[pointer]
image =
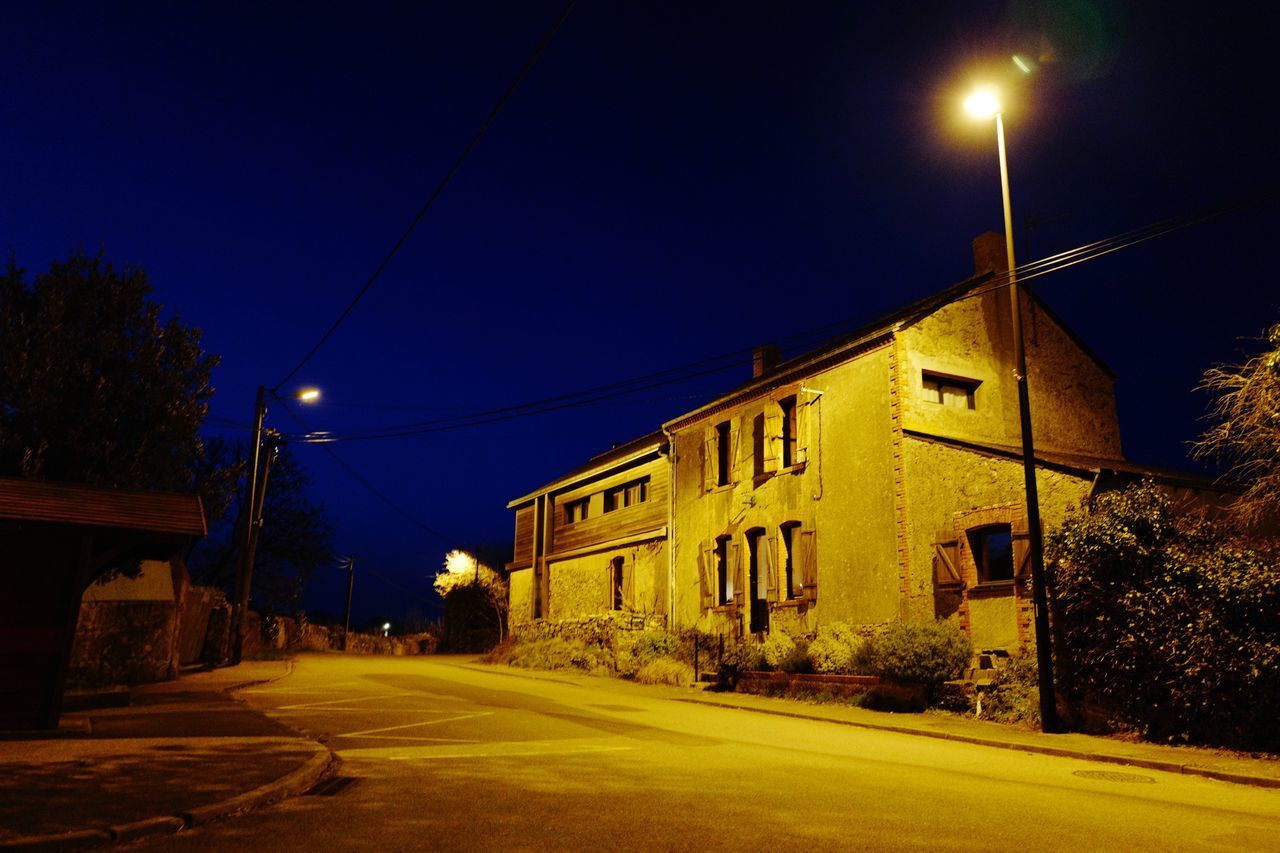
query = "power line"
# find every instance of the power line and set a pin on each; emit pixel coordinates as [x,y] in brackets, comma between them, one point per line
[439,190]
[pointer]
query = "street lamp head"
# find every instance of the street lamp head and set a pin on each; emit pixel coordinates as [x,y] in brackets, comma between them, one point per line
[308,395]
[982,104]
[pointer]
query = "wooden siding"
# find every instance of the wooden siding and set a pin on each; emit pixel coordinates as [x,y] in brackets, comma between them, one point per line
[523,554]
[600,526]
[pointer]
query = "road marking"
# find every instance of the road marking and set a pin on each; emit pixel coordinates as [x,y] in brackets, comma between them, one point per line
[347,699]
[416,725]
[581,751]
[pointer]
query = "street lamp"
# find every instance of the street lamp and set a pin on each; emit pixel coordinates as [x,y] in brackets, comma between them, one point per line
[984,104]
[256,494]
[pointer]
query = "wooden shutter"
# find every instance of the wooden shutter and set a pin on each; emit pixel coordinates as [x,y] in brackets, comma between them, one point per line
[1021,554]
[767,565]
[772,436]
[628,584]
[946,561]
[707,575]
[708,459]
[809,563]
[806,411]
[733,452]
[735,573]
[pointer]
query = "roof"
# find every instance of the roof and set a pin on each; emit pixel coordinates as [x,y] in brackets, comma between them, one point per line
[840,349]
[64,503]
[1079,462]
[632,450]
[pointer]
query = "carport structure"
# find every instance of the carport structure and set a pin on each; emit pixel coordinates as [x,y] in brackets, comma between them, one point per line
[55,540]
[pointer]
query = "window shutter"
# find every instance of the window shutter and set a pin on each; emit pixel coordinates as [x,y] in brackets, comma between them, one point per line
[733,451]
[1021,554]
[708,459]
[772,437]
[735,573]
[768,568]
[628,584]
[806,411]
[809,563]
[707,576]
[946,561]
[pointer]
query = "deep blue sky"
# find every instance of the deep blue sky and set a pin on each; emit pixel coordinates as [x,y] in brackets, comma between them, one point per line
[673,181]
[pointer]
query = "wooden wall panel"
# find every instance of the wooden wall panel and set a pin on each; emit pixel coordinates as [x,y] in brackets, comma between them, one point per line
[600,526]
[523,552]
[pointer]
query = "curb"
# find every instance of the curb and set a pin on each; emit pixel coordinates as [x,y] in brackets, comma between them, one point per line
[1056,751]
[291,784]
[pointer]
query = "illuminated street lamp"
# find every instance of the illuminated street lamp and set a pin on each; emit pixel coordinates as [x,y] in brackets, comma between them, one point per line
[256,492]
[984,104]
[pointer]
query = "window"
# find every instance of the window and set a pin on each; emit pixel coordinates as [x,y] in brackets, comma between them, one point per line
[615,583]
[992,548]
[758,439]
[788,407]
[950,391]
[724,586]
[628,494]
[790,539]
[576,510]
[722,454]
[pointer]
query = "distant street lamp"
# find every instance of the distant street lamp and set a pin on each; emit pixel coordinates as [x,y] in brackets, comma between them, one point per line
[984,104]
[256,494]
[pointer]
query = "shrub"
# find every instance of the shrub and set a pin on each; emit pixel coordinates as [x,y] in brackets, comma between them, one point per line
[1014,695]
[835,649]
[665,671]
[633,650]
[1171,623]
[555,653]
[783,653]
[924,653]
[744,655]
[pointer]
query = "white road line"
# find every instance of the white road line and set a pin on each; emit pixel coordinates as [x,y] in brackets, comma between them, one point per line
[408,737]
[347,699]
[416,725]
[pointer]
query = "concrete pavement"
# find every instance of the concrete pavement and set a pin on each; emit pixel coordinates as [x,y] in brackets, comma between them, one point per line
[156,759]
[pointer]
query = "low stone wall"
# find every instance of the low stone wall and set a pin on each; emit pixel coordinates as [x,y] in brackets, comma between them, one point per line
[123,642]
[322,638]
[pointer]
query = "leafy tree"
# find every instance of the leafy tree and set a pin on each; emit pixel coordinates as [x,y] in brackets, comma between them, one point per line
[296,537]
[1168,621]
[94,387]
[1246,433]
[465,580]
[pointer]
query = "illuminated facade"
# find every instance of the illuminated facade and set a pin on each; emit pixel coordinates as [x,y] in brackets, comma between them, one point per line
[875,479]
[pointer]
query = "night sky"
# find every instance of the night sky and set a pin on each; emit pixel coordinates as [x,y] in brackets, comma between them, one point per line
[672,182]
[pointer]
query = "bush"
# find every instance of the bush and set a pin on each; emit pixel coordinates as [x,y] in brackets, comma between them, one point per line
[923,653]
[633,650]
[1014,695]
[744,656]
[835,649]
[1170,623]
[665,671]
[784,654]
[552,653]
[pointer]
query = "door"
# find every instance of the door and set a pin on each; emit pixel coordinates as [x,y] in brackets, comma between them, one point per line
[757,575]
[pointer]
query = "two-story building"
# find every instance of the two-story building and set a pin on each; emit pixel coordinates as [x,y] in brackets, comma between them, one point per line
[874,479]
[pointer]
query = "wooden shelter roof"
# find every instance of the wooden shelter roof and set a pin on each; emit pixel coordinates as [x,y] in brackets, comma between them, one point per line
[65,503]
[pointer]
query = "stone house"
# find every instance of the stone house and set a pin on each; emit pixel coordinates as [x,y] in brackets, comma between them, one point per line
[877,478]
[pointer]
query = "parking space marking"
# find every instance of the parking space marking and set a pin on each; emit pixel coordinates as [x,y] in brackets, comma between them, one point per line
[346,699]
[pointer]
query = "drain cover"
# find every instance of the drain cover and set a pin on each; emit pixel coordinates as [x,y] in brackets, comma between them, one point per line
[330,787]
[1113,776]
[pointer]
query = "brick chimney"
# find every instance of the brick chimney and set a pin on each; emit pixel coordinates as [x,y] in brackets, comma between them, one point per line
[989,253]
[764,359]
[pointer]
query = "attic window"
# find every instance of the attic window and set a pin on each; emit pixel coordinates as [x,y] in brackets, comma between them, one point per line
[576,510]
[628,494]
[951,391]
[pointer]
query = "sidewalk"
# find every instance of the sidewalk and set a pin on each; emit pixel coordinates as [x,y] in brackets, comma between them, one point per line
[1225,765]
[155,759]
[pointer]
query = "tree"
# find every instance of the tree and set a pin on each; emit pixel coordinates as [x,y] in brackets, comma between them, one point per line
[1246,434]
[464,577]
[94,387]
[296,537]
[1168,620]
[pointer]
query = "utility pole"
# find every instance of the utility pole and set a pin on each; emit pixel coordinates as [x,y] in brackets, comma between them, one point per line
[351,582]
[244,568]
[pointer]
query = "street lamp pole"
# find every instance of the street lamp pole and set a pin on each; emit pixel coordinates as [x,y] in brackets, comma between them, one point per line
[244,568]
[1035,537]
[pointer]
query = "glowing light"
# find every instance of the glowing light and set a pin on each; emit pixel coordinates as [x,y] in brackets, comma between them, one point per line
[459,562]
[982,104]
[1026,66]
[308,395]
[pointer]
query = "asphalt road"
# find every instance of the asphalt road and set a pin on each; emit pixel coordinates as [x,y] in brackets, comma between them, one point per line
[441,755]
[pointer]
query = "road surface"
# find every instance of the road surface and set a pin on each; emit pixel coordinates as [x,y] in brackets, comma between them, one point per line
[439,754]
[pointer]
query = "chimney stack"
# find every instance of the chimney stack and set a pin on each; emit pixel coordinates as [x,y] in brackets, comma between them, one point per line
[990,254]
[764,359]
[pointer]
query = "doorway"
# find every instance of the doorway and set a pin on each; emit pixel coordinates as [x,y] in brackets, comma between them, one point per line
[756,585]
